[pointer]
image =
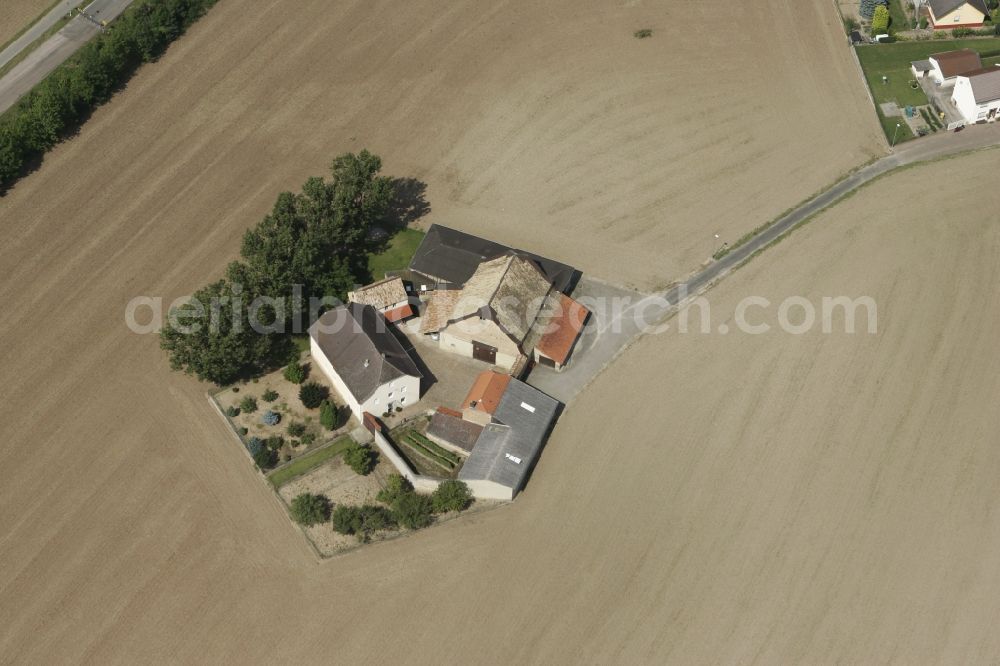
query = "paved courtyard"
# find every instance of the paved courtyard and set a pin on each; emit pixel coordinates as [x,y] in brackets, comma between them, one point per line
[612,325]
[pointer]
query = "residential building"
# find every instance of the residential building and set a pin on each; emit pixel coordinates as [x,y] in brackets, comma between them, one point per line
[355,346]
[949,14]
[977,95]
[947,66]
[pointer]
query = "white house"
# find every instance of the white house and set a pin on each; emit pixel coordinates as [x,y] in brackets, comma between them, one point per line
[355,347]
[977,95]
[948,14]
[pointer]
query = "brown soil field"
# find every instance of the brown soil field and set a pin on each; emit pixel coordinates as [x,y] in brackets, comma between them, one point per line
[19,13]
[789,498]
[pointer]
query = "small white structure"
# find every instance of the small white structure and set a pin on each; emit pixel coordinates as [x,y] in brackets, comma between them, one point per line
[354,346]
[977,95]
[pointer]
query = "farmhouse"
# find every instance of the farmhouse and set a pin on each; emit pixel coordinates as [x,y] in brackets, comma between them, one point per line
[977,95]
[355,347]
[947,14]
[388,296]
[506,313]
[944,68]
[509,446]
[447,259]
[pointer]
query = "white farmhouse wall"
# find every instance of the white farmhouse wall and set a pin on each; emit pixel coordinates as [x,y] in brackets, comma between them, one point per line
[323,363]
[403,392]
[965,101]
[490,490]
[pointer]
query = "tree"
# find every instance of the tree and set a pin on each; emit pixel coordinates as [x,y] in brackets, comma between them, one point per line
[310,509]
[451,495]
[265,458]
[328,415]
[867,7]
[210,337]
[413,511]
[362,459]
[295,372]
[296,429]
[880,20]
[395,486]
[362,520]
[317,238]
[312,394]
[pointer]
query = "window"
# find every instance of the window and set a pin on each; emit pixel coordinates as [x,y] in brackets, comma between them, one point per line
[528,407]
[958,17]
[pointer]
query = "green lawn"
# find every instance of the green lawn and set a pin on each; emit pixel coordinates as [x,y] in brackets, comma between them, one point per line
[991,62]
[308,462]
[893,61]
[397,256]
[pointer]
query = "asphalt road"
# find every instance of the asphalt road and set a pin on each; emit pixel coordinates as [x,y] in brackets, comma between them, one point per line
[617,330]
[56,49]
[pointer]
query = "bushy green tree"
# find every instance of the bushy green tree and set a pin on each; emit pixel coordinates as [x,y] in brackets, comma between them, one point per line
[212,339]
[310,509]
[362,520]
[295,372]
[265,458]
[361,458]
[451,495]
[395,485]
[880,20]
[413,511]
[312,394]
[328,416]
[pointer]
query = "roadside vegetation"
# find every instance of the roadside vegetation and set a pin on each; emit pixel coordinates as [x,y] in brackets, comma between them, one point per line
[67,97]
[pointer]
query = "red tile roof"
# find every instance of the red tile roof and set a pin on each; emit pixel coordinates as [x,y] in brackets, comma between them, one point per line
[486,391]
[563,329]
[398,314]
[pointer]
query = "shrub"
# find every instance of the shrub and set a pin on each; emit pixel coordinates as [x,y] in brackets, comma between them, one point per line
[362,520]
[249,404]
[309,509]
[275,442]
[851,24]
[395,485]
[962,32]
[923,22]
[312,394]
[265,458]
[308,438]
[270,395]
[362,459]
[232,411]
[295,372]
[642,34]
[254,445]
[243,432]
[328,415]
[296,429]
[451,495]
[413,511]
[270,418]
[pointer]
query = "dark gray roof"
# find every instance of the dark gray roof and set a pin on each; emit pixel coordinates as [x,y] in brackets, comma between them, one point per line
[526,416]
[363,348]
[452,256]
[985,84]
[945,7]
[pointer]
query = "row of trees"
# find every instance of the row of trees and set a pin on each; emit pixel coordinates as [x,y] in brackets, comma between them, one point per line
[313,245]
[66,98]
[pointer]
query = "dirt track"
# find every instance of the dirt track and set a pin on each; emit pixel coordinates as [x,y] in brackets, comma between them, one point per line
[815,498]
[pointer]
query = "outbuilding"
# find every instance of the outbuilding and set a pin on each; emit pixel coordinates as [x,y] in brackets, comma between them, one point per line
[977,95]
